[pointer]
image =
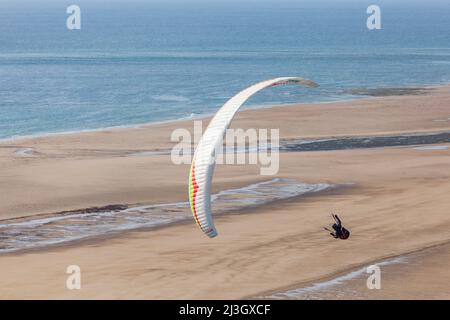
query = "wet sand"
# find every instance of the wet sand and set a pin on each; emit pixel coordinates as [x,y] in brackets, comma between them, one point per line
[421,274]
[42,231]
[266,248]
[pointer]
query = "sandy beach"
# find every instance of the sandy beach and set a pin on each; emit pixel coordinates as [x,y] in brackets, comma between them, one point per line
[393,199]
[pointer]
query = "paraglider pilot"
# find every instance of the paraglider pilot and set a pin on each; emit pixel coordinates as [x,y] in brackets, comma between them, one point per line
[339,232]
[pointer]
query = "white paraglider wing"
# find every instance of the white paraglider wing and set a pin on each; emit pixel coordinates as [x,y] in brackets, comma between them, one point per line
[203,163]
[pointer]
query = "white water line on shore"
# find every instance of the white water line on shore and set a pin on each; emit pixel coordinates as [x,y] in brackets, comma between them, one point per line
[329,284]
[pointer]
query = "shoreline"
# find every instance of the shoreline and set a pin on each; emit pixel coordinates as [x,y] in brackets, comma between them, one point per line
[346,274]
[357,97]
[121,143]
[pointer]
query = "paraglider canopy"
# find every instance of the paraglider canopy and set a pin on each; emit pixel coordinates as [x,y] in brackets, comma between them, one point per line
[203,163]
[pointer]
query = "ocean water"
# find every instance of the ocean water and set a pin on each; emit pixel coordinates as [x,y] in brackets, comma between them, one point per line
[137,62]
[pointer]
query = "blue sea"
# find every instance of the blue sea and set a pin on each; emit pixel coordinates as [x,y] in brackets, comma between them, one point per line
[137,62]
